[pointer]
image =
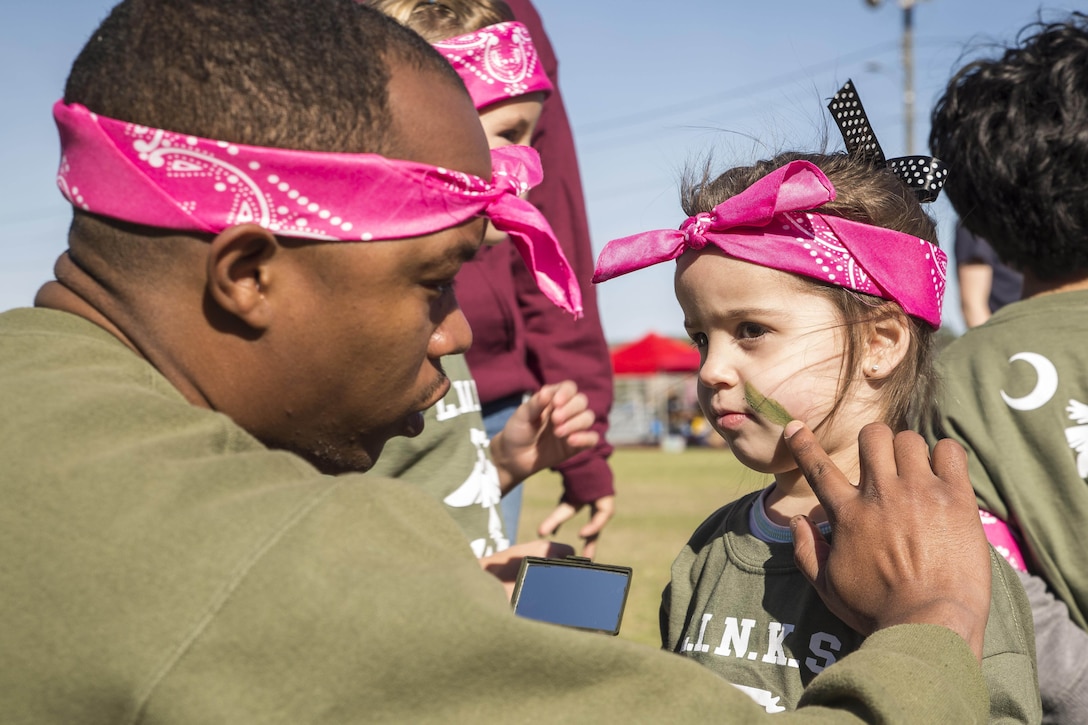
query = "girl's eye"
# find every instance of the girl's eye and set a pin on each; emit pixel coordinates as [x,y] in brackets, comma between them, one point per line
[750,330]
[698,340]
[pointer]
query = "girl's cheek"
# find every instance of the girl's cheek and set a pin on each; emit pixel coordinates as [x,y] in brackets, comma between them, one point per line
[806,386]
[804,399]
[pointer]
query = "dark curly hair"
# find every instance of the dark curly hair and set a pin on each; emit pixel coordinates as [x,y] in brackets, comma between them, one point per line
[302,74]
[1014,132]
[871,195]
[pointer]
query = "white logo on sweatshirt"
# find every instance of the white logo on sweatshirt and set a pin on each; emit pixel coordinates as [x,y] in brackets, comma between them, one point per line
[1077,436]
[481,488]
[763,698]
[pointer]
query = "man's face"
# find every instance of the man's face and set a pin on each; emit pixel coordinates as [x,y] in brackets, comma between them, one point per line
[371,321]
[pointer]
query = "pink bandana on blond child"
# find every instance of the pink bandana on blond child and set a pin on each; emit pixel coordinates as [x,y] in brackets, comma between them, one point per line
[177,181]
[772,224]
[496,63]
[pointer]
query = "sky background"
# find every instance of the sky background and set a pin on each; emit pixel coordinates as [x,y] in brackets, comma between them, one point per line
[651,88]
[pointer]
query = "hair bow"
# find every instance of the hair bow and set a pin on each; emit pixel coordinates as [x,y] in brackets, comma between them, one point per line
[925,175]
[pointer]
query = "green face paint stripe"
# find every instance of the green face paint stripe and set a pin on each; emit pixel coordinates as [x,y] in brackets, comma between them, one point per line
[766,407]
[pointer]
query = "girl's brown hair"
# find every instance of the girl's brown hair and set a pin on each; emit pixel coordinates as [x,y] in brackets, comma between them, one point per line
[872,195]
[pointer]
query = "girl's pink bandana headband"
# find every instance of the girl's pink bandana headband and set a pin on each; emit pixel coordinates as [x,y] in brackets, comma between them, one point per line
[176,181]
[496,63]
[773,224]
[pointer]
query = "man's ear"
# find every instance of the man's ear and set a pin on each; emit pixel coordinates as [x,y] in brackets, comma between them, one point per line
[889,341]
[239,273]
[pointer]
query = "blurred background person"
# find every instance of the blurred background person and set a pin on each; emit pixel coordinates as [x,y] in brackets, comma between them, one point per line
[986,284]
[521,341]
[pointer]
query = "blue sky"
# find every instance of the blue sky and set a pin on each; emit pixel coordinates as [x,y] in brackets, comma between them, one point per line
[650,88]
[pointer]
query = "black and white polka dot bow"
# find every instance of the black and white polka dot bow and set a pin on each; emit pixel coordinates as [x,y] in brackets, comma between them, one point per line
[925,175]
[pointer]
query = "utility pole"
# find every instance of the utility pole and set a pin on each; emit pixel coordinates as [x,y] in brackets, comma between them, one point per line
[908,72]
[908,68]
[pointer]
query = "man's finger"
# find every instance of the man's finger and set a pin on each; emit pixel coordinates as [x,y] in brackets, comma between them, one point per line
[827,481]
[876,455]
[912,456]
[807,552]
[949,461]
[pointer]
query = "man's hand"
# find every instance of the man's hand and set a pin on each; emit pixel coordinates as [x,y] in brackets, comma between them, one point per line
[907,544]
[505,564]
[600,512]
[547,429]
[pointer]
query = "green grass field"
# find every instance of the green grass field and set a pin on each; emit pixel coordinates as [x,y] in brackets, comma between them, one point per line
[660,499]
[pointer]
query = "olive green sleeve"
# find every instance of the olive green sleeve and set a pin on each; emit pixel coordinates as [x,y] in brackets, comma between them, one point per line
[351,616]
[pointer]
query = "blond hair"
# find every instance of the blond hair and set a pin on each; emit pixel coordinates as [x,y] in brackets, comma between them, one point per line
[443,19]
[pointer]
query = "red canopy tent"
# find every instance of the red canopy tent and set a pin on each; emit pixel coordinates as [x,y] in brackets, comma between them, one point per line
[655,354]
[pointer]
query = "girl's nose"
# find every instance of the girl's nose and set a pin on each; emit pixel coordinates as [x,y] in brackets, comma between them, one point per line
[718,369]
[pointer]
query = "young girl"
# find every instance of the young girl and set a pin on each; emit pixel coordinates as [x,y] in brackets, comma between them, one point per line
[811,285]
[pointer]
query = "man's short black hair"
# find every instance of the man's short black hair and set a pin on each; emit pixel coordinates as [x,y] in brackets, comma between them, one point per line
[301,74]
[1014,132]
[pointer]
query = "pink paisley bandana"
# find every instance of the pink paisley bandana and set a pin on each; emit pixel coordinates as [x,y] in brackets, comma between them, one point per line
[496,63]
[176,181]
[770,224]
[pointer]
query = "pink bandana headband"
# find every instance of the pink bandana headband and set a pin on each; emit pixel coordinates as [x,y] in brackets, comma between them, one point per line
[770,224]
[496,63]
[176,181]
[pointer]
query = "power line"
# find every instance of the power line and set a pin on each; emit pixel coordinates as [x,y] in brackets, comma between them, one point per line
[615,123]
[627,120]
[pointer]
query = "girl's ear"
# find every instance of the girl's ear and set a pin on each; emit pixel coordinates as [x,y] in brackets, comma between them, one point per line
[889,340]
[239,272]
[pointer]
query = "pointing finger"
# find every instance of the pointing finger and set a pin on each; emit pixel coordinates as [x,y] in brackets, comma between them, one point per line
[827,481]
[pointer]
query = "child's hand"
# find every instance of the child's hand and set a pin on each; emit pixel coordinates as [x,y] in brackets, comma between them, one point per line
[907,544]
[600,513]
[547,429]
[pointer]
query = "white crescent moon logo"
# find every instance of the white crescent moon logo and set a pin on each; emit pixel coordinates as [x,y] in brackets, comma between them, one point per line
[1045,388]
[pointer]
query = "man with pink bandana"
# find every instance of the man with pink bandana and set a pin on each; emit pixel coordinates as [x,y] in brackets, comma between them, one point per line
[183,539]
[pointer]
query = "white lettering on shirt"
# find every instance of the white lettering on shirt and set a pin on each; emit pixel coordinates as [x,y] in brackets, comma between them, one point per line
[736,641]
[699,646]
[816,645]
[734,638]
[467,400]
[776,633]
